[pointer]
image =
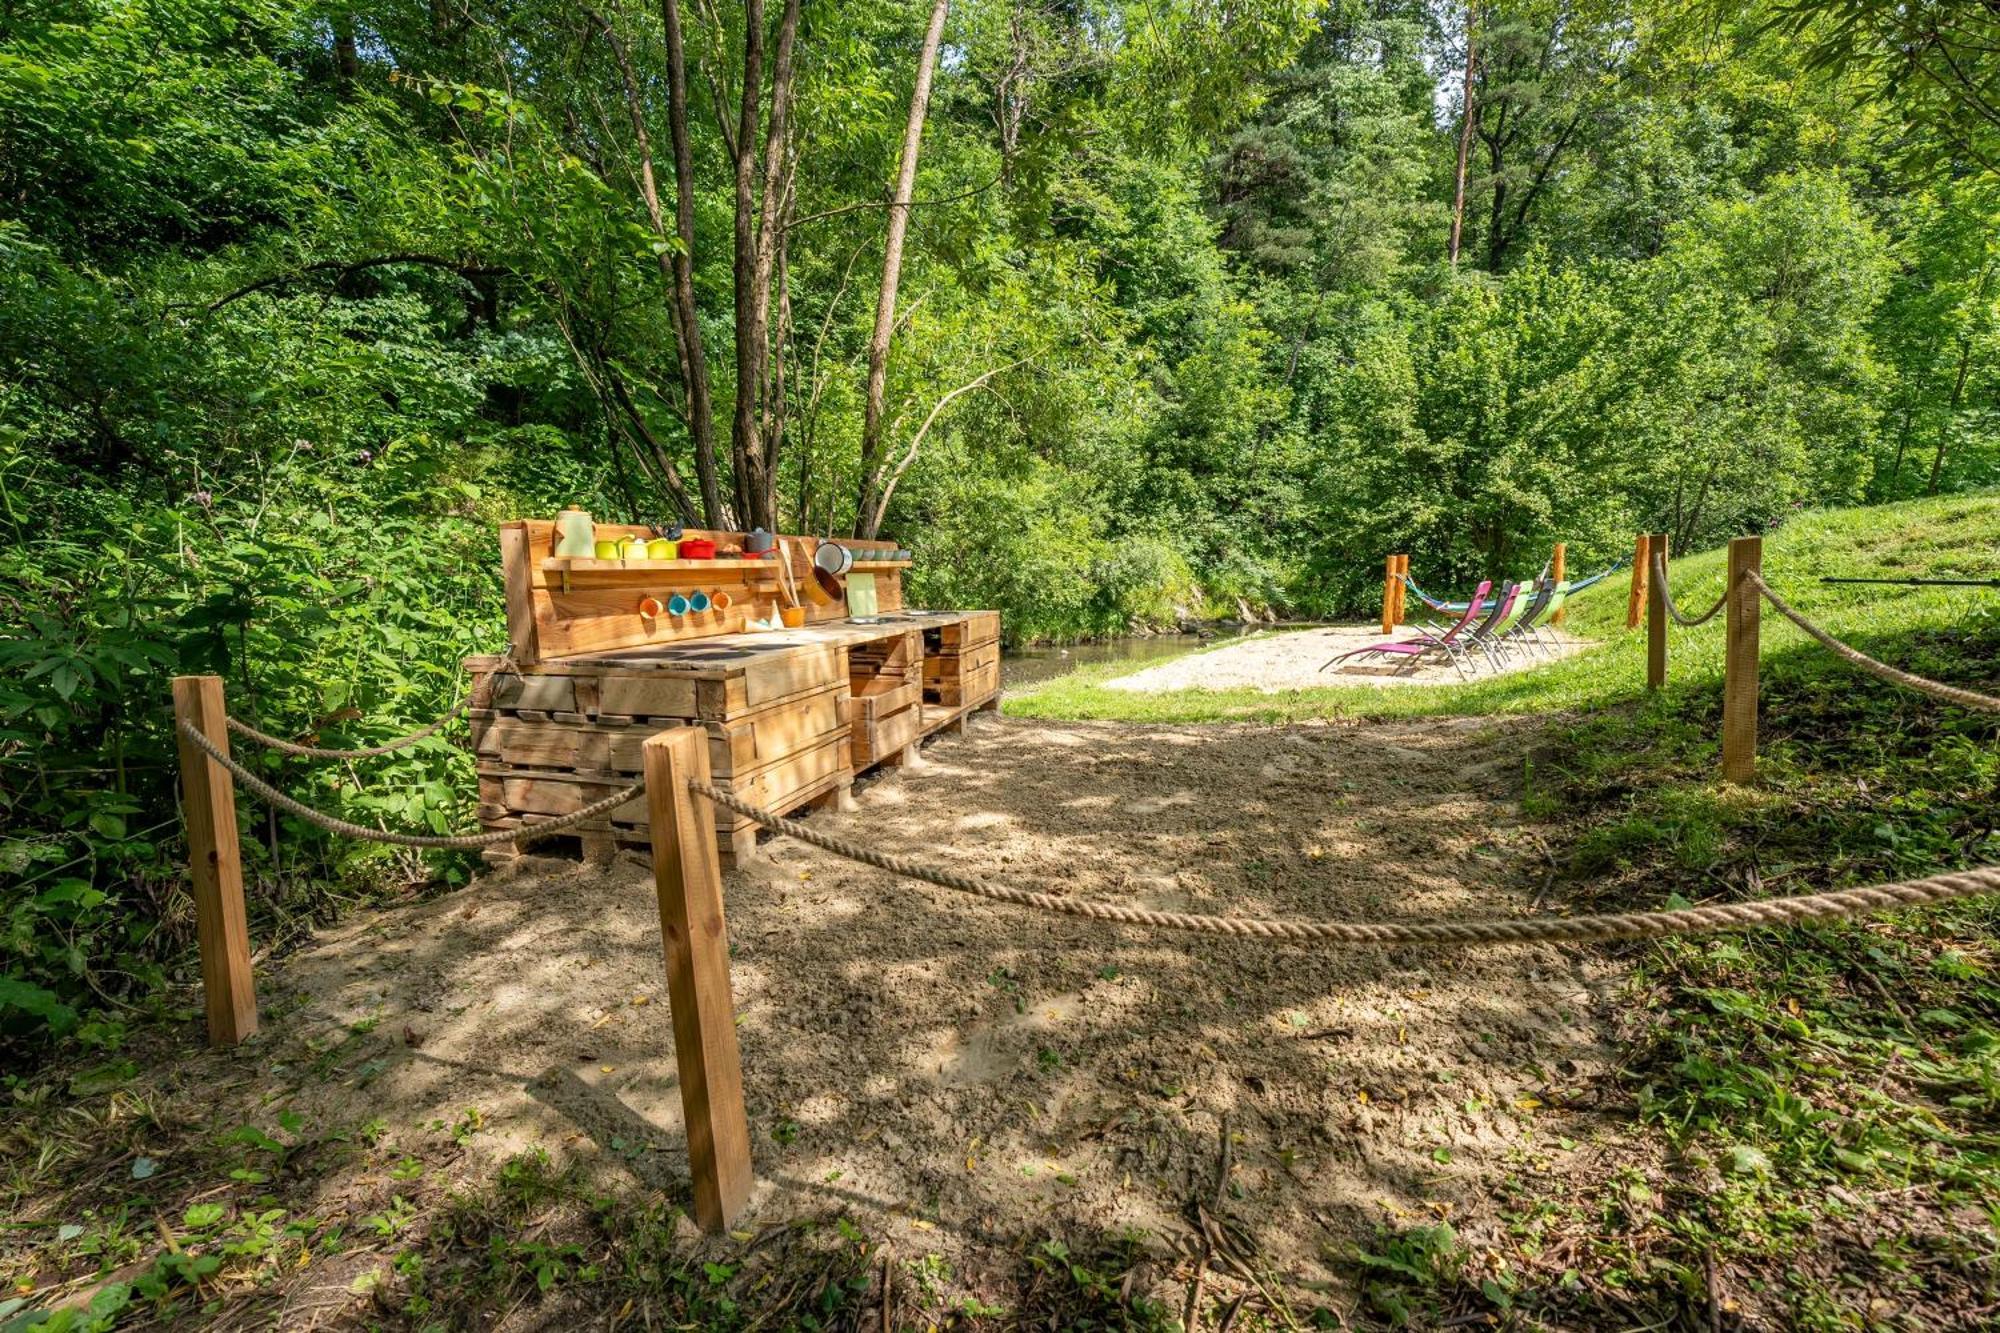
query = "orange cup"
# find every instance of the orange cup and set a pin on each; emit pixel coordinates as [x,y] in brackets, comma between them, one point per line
[793,616]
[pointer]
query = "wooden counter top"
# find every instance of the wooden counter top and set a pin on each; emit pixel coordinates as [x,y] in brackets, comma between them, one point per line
[726,655]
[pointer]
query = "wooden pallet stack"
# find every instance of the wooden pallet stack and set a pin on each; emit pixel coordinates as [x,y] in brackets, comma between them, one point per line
[558,736]
[962,661]
[885,680]
[602,661]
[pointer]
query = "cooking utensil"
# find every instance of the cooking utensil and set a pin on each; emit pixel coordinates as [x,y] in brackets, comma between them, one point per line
[757,541]
[786,577]
[829,585]
[697,548]
[833,558]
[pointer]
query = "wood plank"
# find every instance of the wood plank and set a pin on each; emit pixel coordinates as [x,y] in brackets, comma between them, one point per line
[553,693]
[876,739]
[215,864]
[1656,616]
[649,695]
[516,568]
[1739,681]
[687,876]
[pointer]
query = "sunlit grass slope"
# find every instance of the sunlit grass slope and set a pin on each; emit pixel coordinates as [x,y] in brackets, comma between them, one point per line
[1956,536]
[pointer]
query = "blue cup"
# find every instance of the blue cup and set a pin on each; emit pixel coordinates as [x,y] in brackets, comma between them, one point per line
[677,605]
[699,602]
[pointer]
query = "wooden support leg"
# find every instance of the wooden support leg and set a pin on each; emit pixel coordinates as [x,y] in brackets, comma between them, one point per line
[1635,602]
[1739,683]
[1389,594]
[689,882]
[839,799]
[743,845]
[1401,590]
[1656,616]
[960,724]
[215,863]
[910,756]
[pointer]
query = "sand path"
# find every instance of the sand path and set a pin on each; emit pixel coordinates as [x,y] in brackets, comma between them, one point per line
[968,1078]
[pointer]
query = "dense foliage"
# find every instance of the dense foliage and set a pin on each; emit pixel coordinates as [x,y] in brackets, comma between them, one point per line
[297,299]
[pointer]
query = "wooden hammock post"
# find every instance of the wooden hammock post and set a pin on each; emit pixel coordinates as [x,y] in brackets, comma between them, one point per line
[215,864]
[1656,616]
[1388,594]
[1739,681]
[1559,571]
[687,875]
[1402,591]
[1635,602]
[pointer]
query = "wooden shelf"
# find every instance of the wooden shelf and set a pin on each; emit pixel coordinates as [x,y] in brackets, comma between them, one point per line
[590,565]
[868,565]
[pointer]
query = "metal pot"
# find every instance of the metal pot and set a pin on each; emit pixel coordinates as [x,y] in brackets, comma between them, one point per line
[833,558]
[757,541]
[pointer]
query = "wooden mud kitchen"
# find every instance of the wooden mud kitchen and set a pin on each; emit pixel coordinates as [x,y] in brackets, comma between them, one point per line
[796,655]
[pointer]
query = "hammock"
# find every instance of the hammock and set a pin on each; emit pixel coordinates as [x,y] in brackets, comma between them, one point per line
[1455,607]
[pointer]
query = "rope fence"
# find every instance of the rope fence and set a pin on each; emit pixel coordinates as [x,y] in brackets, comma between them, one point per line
[1667,597]
[678,793]
[465,842]
[1894,675]
[1572,930]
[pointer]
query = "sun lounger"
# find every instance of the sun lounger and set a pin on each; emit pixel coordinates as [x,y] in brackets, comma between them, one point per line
[1424,643]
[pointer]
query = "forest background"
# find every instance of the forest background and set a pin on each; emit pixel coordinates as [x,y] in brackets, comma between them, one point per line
[1120,315]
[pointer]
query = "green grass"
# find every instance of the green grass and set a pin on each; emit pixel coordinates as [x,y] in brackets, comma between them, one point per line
[1957,536]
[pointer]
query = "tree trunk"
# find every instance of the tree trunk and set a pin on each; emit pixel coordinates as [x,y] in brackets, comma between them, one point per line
[1464,141]
[687,318]
[1951,412]
[675,269]
[743,427]
[892,272]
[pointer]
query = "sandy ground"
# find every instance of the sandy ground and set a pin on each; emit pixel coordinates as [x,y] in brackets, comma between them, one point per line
[1294,660]
[970,1078]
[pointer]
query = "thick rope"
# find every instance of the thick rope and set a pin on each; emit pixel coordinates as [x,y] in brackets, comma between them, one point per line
[1895,675]
[462,843]
[1576,930]
[1667,597]
[248,732]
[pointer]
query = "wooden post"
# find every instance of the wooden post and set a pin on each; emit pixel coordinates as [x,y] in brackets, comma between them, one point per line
[1559,573]
[688,877]
[1635,602]
[215,864]
[1656,616]
[1739,681]
[1389,594]
[1402,590]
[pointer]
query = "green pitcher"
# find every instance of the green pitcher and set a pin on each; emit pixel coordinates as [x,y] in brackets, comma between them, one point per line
[575,533]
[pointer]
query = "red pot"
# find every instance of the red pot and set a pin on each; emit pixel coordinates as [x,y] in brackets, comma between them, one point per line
[697,548]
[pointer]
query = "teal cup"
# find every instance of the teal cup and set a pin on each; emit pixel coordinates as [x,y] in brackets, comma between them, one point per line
[677,605]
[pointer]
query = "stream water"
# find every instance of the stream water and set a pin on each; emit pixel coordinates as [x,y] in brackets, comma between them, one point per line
[1030,666]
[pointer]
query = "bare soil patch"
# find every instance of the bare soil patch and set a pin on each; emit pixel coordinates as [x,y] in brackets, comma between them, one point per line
[1298,659]
[970,1078]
